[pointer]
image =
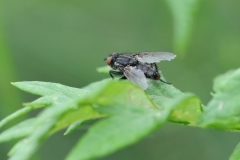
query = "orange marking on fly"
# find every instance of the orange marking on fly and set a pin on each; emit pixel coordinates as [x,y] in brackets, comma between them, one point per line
[109,60]
[157,78]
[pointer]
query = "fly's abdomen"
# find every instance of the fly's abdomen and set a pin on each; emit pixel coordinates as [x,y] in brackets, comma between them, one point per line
[146,69]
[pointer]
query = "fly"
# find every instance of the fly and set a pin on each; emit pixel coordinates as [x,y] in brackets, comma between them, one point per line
[137,67]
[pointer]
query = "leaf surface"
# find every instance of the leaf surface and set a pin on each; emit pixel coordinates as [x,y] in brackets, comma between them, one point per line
[117,132]
[236,153]
[223,110]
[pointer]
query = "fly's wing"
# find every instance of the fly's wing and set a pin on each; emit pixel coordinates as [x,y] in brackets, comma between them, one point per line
[152,57]
[136,76]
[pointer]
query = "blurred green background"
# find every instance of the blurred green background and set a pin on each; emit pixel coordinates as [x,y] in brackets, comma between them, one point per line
[65,41]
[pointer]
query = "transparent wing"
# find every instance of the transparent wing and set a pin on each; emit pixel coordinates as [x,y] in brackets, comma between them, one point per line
[136,76]
[152,57]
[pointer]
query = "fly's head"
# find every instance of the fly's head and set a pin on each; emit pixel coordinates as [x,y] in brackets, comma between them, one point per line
[156,75]
[111,60]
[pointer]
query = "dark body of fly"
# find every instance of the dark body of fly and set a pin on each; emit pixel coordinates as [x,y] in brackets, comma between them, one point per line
[122,60]
[149,70]
[137,67]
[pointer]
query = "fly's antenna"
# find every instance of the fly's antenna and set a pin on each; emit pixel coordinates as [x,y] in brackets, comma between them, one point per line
[107,57]
[165,82]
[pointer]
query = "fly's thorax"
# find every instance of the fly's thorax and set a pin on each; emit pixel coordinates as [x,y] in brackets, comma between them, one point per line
[126,60]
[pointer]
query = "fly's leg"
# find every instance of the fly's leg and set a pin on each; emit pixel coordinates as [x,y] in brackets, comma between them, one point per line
[111,73]
[123,78]
[155,65]
[165,82]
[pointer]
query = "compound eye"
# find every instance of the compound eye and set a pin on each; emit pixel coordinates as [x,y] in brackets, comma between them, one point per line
[109,60]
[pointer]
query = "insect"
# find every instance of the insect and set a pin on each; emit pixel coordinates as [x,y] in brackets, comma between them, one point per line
[137,67]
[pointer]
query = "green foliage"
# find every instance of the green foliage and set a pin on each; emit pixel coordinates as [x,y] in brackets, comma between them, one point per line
[224,109]
[183,19]
[124,111]
[236,153]
[7,71]
[118,131]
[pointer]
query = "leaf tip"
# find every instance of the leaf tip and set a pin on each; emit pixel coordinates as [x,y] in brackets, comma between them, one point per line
[15,84]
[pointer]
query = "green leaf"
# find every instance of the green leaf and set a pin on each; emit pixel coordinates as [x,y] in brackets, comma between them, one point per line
[104,69]
[15,115]
[118,92]
[48,122]
[183,19]
[63,100]
[117,132]
[104,100]
[74,108]
[68,116]
[47,88]
[25,148]
[129,108]
[74,126]
[20,130]
[54,94]
[186,109]
[236,153]
[160,92]
[223,110]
